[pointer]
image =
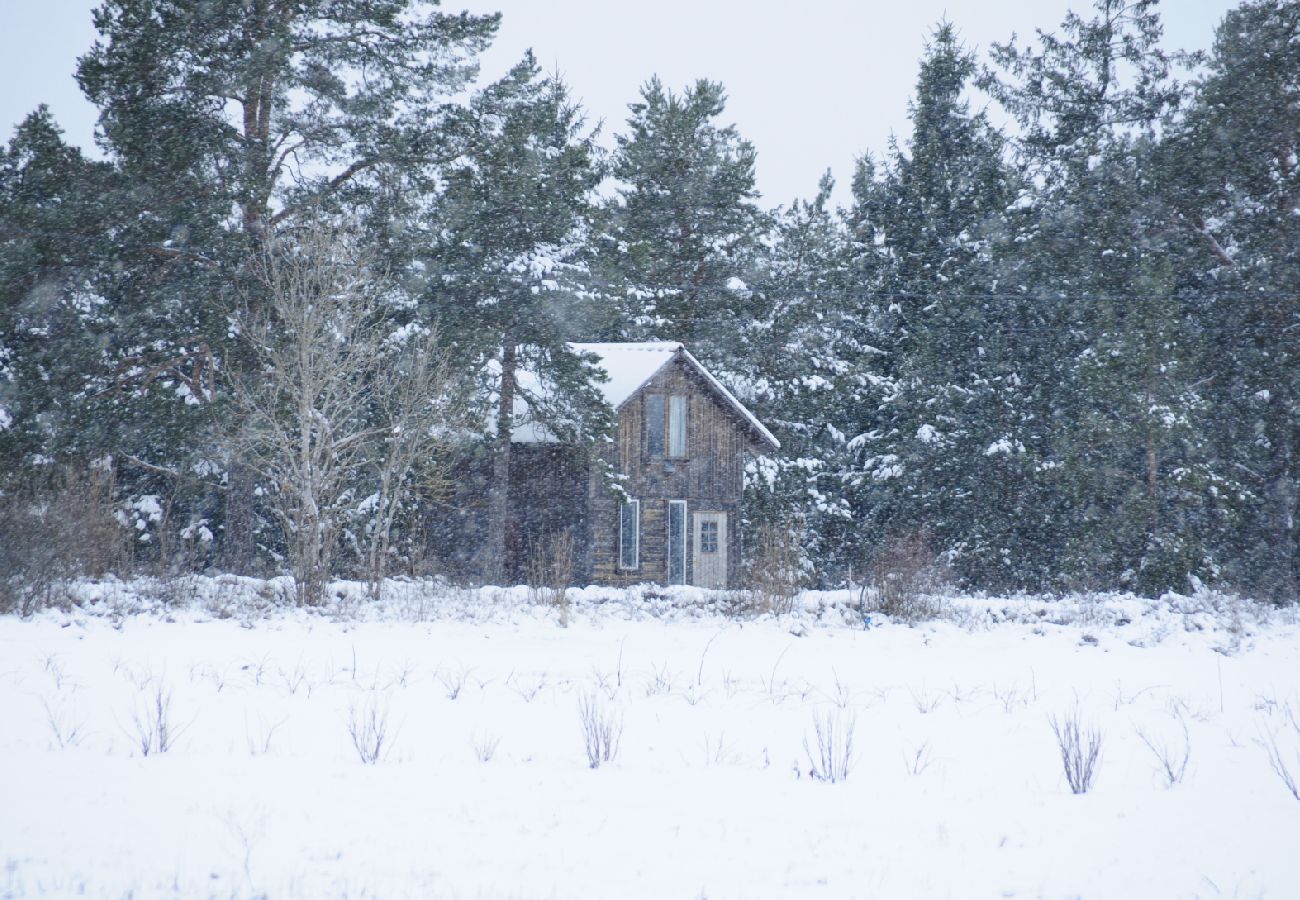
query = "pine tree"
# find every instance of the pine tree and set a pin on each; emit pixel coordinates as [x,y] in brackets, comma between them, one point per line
[223,121]
[305,128]
[507,267]
[685,225]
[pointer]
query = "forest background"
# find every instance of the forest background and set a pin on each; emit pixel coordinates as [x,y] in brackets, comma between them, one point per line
[266,328]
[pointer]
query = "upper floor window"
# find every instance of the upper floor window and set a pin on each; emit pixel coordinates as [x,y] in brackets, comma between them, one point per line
[676,426]
[665,426]
[654,425]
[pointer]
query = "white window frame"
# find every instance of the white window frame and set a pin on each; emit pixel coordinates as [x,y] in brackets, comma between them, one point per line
[636,536]
[675,445]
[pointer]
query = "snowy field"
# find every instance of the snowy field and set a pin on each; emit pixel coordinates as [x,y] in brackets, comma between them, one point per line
[482,786]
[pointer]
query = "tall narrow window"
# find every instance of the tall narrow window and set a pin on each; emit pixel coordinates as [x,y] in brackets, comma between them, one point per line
[629,535]
[654,425]
[676,541]
[676,426]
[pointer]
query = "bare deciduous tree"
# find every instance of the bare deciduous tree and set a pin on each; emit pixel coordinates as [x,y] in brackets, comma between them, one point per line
[416,408]
[338,402]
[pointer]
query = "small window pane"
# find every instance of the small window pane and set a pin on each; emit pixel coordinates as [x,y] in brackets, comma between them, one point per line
[629,535]
[654,424]
[676,542]
[708,537]
[677,426]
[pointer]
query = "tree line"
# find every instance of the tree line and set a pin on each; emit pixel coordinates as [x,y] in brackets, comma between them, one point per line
[1050,342]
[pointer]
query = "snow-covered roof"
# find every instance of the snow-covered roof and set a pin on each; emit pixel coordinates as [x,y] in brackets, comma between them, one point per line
[629,366]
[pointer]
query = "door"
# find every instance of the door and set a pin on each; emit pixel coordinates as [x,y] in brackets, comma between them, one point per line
[710,545]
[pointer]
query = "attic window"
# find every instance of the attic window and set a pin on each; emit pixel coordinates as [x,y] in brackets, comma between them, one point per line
[654,425]
[676,426]
[665,426]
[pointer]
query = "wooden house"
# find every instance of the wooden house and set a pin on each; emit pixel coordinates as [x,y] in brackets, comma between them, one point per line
[678,456]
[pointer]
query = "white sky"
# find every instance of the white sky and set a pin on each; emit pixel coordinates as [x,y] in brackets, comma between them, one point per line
[813,84]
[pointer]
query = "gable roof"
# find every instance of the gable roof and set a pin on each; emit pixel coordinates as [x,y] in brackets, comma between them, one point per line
[629,367]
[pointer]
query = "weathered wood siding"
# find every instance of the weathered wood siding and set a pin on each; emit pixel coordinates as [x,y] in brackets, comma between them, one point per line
[709,478]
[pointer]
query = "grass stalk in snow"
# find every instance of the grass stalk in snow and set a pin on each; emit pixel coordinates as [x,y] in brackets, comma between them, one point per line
[453,682]
[485,747]
[259,738]
[369,727]
[919,760]
[833,759]
[1171,757]
[68,730]
[602,728]
[1279,759]
[1080,749]
[153,725]
[660,681]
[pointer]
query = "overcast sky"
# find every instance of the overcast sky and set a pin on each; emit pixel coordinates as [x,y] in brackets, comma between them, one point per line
[813,83]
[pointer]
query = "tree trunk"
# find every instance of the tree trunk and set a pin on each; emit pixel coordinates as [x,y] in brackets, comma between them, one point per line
[496,567]
[237,542]
[1282,578]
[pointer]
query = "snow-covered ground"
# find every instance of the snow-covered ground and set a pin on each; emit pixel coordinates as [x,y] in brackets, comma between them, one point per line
[955,788]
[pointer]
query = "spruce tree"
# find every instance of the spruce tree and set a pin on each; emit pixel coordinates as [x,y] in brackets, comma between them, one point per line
[1234,186]
[1111,328]
[805,371]
[944,444]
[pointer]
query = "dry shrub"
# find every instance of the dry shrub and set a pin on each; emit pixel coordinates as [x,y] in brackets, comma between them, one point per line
[551,570]
[60,530]
[904,579]
[776,571]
